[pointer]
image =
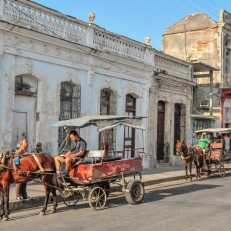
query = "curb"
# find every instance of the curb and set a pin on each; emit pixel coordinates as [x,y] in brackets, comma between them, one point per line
[39,201]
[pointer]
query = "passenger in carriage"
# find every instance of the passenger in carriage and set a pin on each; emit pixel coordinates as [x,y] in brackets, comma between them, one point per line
[211,137]
[203,141]
[77,152]
[226,143]
[218,138]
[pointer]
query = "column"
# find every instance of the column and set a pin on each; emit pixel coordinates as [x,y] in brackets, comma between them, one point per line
[152,129]
[171,133]
[167,128]
[188,120]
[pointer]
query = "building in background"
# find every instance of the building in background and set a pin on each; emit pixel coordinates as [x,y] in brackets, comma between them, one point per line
[207,44]
[55,67]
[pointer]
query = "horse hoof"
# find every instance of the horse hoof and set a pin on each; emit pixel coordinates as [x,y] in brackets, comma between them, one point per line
[41,213]
[5,218]
[53,211]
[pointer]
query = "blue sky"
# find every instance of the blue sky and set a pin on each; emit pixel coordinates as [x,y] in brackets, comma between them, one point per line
[138,18]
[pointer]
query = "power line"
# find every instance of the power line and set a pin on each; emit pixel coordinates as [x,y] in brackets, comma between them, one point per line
[206,9]
[190,5]
[215,4]
[207,6]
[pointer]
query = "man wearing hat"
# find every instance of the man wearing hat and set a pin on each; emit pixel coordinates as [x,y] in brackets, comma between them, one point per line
[38,148]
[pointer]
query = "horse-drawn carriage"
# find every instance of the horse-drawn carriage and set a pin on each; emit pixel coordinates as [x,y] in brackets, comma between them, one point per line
[215,155]
[91,177]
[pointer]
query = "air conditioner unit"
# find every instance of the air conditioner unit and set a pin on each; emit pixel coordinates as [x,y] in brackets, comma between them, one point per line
[204,104]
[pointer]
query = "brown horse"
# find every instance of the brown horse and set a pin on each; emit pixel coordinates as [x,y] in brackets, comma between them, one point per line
[189,155]
[31,166]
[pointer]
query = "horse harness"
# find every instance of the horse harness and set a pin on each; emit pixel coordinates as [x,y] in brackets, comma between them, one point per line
[4,155]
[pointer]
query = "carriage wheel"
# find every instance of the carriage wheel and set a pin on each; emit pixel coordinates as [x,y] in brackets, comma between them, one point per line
[222,170]
[136,192]
[97,198]
[70,198]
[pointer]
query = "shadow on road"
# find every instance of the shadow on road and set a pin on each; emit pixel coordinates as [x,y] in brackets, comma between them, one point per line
[118,199]
[160,194]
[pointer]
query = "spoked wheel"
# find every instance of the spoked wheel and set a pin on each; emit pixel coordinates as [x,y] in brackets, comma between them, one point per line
[97,198]
[70,198]
[136,192]
[222,170]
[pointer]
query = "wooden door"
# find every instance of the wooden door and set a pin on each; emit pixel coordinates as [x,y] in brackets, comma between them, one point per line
[160,130]
[129,133]
[24,120]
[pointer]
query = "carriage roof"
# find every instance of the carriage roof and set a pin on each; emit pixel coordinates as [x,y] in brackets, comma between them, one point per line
[103,122]
[211,130]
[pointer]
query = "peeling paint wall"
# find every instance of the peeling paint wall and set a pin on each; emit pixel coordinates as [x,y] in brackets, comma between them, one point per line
[198,38]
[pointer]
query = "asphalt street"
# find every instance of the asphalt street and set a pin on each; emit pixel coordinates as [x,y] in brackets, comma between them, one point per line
[198,205]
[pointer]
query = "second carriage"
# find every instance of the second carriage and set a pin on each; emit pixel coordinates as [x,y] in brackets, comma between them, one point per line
[215,155]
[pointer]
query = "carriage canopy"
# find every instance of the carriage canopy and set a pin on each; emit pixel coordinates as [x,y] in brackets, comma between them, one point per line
[212,130]
[103,122]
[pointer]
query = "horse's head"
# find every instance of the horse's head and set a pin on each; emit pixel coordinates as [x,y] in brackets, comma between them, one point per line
[181,147]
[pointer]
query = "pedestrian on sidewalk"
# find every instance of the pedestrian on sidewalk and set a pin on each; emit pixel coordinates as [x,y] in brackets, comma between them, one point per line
[38,148]
[20,188]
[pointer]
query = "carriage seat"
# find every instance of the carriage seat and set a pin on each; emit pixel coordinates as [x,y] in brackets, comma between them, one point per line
[95,156]
[217,145]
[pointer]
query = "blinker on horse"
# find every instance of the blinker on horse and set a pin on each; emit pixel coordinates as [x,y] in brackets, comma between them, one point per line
[31,166]
[190,154]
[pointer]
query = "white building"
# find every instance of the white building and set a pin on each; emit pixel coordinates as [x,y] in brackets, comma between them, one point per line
[56,67]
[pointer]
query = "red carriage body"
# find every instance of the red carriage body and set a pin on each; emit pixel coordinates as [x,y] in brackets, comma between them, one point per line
[97,172]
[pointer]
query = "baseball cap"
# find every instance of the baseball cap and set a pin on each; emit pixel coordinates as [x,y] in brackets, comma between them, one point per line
[39,144]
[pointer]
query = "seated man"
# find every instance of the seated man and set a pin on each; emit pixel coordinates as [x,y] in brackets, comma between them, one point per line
[202,142]
[77,152]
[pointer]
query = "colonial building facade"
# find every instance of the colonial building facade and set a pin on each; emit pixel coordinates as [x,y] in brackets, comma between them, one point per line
[55,67]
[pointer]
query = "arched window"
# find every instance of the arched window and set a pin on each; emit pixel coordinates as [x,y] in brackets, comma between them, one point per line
[108,106]
[70,104]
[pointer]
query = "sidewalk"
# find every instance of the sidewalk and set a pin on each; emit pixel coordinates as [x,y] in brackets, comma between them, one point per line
[149,176]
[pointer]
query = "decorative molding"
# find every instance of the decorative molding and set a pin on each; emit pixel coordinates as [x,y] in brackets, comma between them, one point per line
[29,66]
[27,16]
[69,74]
[69,54]
[31,45]
[57,51]
[15,42]
[172,67]
[45,48]
[124,48]
[89,79]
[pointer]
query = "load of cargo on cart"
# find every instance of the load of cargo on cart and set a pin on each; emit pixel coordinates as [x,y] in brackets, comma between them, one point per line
[218,151]
[90,178]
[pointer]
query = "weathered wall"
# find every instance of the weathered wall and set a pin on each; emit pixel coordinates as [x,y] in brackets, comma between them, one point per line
[198,38]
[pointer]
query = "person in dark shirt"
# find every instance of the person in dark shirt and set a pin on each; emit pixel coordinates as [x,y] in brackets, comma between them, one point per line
[38,148]
[77,152]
